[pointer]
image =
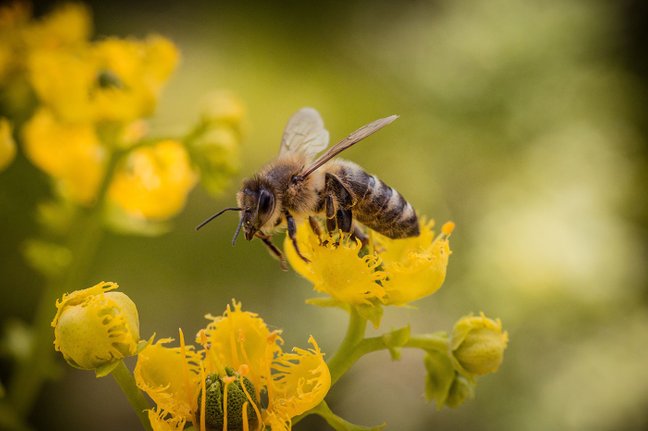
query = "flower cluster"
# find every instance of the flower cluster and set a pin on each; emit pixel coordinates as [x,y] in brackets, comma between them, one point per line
[83,117]
[240,378]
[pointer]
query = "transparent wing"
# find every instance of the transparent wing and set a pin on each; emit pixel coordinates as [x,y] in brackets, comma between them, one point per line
[352,139]
[304,133]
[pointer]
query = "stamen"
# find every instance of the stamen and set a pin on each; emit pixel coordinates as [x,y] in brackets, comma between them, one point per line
[227,381]
[447,228]
[185,366]
[254,406]
[246,427]
[203,398]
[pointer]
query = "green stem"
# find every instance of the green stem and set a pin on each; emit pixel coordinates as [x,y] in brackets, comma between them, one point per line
[28,378]
[437,341]
[336,422]
[135,397]
[339,362]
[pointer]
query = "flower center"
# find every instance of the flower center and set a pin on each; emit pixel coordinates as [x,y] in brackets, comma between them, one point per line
[235,392]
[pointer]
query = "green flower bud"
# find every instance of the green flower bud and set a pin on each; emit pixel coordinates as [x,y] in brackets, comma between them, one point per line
[477,345]
[461,390]
[237,395]
[94,327]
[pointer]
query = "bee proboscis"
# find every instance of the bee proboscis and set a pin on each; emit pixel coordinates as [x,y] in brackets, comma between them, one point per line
[297,185]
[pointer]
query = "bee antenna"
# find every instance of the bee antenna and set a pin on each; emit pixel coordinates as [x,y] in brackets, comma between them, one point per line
[238,229]
[216,215]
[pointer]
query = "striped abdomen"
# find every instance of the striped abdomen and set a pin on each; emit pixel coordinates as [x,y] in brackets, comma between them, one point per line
[377,205]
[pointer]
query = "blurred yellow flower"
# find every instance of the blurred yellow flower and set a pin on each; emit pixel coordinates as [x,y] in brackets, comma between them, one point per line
[68,24]
[95,327]
[390,272]
[477,345]
[7,144]
[70,153]
[241,363]
[110,80]
[153,181]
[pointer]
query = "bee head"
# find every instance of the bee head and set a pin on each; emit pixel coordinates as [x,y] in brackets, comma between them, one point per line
[257,202]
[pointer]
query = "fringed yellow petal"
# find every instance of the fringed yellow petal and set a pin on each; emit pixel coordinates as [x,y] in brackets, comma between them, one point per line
[160,372]
[336,268]
[240,338]
[154,181]
[300,380]
[165,421]
[416,267]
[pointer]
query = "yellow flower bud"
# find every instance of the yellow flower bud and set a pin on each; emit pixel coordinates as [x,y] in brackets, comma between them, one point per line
[223,107]
[95,327]
[478,345]
[7,144]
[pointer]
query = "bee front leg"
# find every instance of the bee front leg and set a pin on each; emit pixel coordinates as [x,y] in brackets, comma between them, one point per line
[274,250]
[292,234]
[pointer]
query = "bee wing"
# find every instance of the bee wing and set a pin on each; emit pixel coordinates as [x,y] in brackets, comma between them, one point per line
[347,142]
[304,133]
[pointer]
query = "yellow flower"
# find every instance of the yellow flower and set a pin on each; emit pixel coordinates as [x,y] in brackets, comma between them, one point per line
[478,345]
[338,270]
[7,144]
[390,272]
[153,182]
[70,153]
[248,381]
[95,327]
[67,25]
[110,80]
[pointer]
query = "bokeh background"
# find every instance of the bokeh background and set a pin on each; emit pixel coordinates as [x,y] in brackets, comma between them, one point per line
[522,121]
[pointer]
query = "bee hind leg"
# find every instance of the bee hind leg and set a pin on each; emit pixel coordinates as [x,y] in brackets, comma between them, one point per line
[274,251]
[292,234]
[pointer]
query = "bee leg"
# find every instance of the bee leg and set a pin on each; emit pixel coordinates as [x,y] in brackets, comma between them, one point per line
[360,234]
[315,227]
[344,220]
[338,196]
[292,232]
[274,250]
[331,222]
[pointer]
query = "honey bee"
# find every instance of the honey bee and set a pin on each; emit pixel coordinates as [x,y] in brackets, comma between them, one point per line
[297,185]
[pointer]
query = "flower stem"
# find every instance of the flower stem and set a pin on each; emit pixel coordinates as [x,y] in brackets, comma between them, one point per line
[134,396]
[336,422]
[26,382]
[341,361]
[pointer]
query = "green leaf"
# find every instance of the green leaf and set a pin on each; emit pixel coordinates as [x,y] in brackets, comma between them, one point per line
[106,369]
[372,313]
[440,375]
[396,339]
[47,258]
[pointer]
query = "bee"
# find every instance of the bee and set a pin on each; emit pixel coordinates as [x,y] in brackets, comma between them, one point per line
[297,184]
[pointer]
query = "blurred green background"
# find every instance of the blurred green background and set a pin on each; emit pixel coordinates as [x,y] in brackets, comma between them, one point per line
[522,121]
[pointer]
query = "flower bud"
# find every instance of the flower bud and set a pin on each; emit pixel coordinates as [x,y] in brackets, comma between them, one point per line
[94,327]
[478,345]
